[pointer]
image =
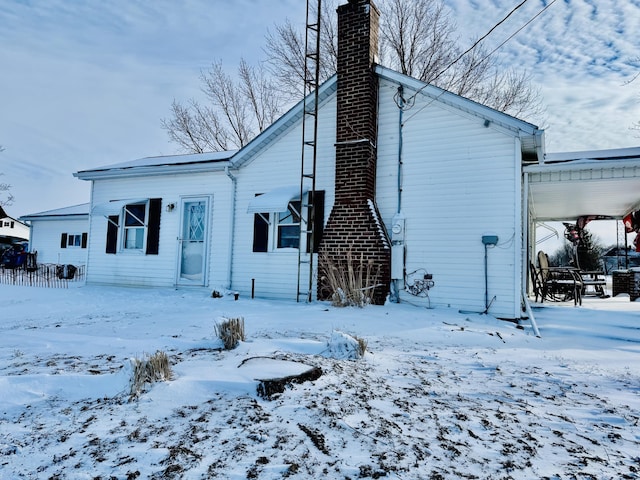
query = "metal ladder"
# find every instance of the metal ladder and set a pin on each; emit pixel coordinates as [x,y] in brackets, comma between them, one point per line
[309,144]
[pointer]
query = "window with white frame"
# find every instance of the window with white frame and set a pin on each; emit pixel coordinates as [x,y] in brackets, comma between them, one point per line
[73,240]
[274,231]
[288,226]
[136,228]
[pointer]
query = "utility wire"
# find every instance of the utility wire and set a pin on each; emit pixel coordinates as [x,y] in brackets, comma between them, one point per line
[518,31]
[477,42]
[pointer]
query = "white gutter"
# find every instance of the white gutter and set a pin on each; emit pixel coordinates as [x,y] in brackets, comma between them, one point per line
[151,170]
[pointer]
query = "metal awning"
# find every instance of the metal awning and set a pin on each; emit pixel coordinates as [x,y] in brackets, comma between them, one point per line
[114,207]
[570,189]
[276,200]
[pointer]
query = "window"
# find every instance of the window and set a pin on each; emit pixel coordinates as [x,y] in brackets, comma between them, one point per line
[73,240]
[277,230]
[134,226]
[137,226]
[288,226]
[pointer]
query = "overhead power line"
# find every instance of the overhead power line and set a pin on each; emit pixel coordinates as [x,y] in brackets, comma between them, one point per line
[477,42]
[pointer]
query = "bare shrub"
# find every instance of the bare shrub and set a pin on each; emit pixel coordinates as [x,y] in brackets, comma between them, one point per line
[362,345]
[345,346]
[231,332]
[352,282]
[149,370]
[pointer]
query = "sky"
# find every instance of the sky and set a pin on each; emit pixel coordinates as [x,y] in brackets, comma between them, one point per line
[85,84]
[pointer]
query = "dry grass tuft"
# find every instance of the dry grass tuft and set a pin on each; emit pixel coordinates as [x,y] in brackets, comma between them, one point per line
[352,282]
[149,370]
[231,332]
[362,346]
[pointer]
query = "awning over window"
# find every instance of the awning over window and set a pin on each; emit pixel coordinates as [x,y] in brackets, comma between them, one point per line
[114,207]
[276,200]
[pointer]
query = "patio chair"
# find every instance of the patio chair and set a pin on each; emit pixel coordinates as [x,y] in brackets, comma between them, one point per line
[557,284]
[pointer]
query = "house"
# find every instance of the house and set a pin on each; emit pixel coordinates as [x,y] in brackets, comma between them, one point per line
[60,236]
[425,185]
[11,229]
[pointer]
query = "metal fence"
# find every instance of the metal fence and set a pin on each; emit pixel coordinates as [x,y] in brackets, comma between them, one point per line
[46,275]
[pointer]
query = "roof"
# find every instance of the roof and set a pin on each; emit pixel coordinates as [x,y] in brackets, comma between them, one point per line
[73,211]
[188,163]
[531,136]
[598,182]
[285,122]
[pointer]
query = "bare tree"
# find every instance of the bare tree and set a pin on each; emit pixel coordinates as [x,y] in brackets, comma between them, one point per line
[5,196]
[236,112]
[417,38]
[285,53]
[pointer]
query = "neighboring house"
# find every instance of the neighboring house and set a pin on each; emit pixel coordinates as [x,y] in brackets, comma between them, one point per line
[410,178]
[60,236]
[12,230]
[620,258]
[435,192]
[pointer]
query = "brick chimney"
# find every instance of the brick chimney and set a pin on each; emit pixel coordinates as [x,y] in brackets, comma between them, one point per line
[354,226]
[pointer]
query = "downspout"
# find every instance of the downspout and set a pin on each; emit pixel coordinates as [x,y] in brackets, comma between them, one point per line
[400,119]
[525,253]
[397,232]
[89,235]
[232,226]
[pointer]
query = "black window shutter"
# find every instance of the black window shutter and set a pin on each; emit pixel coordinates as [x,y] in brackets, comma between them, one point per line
[112,233]
[317,200]
[260,232]
[153,229]
[84,240]
[63,240]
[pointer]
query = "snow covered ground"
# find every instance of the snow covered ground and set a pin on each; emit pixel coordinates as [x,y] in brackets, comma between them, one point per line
[439,394]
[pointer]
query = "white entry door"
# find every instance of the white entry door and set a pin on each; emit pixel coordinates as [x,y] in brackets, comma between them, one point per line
[193,241]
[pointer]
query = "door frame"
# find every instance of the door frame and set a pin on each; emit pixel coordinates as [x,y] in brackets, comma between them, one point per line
[208,199]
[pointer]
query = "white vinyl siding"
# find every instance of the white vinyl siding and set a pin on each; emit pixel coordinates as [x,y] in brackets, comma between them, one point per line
[275,272]
[460,181]
[46,238]
[134,267]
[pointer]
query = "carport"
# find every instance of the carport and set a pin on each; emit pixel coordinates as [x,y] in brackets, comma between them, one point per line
[566,186]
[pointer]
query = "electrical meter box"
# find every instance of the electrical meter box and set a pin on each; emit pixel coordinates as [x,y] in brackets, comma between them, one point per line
[397,228]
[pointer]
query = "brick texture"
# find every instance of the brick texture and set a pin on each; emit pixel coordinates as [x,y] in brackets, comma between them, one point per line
[354,226]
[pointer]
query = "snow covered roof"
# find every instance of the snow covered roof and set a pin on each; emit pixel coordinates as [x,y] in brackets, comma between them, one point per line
[72,211]
[598,182]
[629,153]
[194,162]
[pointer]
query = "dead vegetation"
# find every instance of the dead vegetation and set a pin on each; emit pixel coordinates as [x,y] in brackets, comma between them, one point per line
[352,282]
[231,332]
[148,370]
